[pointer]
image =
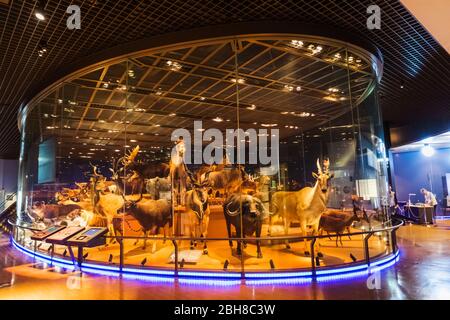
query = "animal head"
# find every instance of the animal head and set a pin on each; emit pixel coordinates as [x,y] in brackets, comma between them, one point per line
[37,210]
[200,192]
[323,176]
[250,205]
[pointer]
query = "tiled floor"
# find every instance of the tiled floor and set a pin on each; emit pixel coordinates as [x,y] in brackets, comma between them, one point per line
[423,272]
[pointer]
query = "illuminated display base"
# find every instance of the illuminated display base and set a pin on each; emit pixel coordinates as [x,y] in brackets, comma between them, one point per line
[293,276]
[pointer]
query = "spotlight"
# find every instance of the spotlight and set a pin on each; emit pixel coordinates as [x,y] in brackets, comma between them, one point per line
[353,257]
[225,265]
[402,84]
[428,151]
[42,48]
[39,12]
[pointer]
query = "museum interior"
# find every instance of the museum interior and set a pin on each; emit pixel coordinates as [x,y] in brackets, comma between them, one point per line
[209,152]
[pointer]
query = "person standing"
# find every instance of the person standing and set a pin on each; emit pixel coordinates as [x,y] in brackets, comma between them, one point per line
[392,200]
[430,199]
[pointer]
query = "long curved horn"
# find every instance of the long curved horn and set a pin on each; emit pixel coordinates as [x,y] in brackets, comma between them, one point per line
[319,168]
[229,212]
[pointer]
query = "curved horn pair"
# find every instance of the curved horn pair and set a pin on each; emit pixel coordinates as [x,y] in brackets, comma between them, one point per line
[319,168]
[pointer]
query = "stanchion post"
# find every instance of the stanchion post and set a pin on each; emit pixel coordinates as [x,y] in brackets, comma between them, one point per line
[175,245]
[394,240]
[120,254]
[313,260]
[241,244]
[366,248]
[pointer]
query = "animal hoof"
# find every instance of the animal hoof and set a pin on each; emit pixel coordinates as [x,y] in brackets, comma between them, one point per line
[307,253]
[260,255]
[319,254]
[191,247]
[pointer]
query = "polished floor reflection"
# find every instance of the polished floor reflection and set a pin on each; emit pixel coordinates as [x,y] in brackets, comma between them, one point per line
[422,273]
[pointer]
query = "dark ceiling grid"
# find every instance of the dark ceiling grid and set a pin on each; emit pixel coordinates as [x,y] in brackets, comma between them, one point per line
[404,42]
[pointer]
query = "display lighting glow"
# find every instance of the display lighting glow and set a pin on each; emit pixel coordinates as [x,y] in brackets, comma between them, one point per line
[315,50]
[269,125]
[288,88]
[297,43]
[193,277]
[428,151]
[238,80]
[173,65]
[217,119]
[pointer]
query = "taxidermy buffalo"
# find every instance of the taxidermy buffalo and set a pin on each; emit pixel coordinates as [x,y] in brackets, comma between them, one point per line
[253,215]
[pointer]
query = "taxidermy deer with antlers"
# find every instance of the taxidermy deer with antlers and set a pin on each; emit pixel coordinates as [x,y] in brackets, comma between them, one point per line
[305,205]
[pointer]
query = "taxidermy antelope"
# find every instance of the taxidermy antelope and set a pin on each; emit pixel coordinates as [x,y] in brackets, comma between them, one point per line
[305,205]
[179,173]
[198,212]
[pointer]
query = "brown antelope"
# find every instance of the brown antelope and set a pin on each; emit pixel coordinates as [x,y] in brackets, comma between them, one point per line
[305,205]
[197,210]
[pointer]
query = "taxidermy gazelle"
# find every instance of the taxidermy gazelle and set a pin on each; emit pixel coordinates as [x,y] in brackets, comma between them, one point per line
[305,205]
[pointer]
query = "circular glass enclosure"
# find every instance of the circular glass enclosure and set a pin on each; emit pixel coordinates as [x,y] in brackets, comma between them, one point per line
[226,155]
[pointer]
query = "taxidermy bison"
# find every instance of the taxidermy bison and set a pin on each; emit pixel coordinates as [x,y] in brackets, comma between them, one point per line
[253,215]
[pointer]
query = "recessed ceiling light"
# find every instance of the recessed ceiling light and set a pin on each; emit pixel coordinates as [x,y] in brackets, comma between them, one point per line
[39,12]
[252,107]
[202,98]
[172,114]
[238,80]
[133,140]
[217,119]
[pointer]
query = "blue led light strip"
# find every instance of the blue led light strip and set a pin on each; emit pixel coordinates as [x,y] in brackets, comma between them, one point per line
[201,277]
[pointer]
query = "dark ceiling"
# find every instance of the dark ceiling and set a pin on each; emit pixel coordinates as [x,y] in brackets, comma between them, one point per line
[413,59]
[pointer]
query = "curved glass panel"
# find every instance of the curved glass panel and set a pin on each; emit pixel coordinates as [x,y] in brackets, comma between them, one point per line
[226,156]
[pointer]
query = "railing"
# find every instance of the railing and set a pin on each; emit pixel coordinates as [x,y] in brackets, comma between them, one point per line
[391,227]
